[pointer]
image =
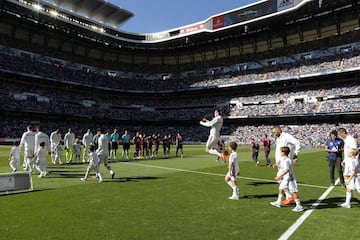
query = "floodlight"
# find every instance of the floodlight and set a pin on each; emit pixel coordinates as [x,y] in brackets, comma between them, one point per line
[37,7]
[53,13]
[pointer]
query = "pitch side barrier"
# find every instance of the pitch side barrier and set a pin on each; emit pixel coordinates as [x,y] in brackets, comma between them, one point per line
[8,141]
[15,183]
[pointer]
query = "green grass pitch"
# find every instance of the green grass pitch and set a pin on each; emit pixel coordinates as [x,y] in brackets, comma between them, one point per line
[176,198]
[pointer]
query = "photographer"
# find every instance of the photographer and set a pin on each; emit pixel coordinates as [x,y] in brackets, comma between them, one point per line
[334,147]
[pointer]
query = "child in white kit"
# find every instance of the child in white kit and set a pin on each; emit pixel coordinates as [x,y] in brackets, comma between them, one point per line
[287,180]
[77,149]
[353,181]
[233,171]
[40,160]
[14,158]
[58,153]
[93,164]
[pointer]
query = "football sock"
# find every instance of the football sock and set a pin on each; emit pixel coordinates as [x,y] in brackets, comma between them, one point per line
[348,197]
[287,193]
[100,177]
[215,152]
[234,190]
[279,198]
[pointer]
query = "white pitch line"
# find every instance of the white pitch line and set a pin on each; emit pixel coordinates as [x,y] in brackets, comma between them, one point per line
[174,169]
[216,174]
[306,214]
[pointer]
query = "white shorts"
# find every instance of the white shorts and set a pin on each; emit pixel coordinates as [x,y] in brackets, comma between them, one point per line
[232,176]
[14,161]
[347,168]
[289,183]
[211,142]
[103,158]
[28,154]
[354,184]
[53,147]
[92,167]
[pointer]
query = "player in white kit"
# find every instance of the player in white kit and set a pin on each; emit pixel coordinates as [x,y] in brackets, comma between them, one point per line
[28,141]
[103,151]
[284,139]
[86,141]
[233,171]
[287,179]
[353,181]
[215,126]
[69,140]
[93,164]
[14,157]
[55,138]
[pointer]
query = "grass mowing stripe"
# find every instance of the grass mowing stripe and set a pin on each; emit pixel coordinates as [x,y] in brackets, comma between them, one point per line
[175,169]
[217,174]
[307,213]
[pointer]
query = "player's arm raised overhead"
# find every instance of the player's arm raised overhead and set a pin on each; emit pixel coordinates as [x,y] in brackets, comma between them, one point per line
[208,123]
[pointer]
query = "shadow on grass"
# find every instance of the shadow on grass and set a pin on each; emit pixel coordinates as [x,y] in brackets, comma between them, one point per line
[106,177]
[151,159]
[330,203]
[9,193]
[134,179]
[261,183]
[259,196]
[64,174]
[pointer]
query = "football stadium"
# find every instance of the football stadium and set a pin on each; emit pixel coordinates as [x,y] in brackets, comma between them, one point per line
[68,72]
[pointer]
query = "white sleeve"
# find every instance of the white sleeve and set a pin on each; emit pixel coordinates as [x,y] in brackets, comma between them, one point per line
[296,144]
[210,123]
[205,124]
[353,144]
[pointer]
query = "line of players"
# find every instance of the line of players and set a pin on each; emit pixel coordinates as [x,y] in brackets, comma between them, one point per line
[144,147]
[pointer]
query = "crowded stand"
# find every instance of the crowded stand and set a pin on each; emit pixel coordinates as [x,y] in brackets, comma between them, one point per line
[300,102]
[310,135]
[43,84]
[342,57]
[20,96]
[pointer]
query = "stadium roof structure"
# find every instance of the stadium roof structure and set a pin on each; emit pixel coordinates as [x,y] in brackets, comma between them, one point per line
[96,9]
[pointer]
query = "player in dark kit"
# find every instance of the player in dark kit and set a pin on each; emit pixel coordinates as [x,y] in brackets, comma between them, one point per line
[136,141]
[255,151]
[179,145]
[156,139]
[267,144]
[168,145]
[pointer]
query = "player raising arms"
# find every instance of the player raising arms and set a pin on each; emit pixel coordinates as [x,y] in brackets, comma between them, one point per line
[215,126]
